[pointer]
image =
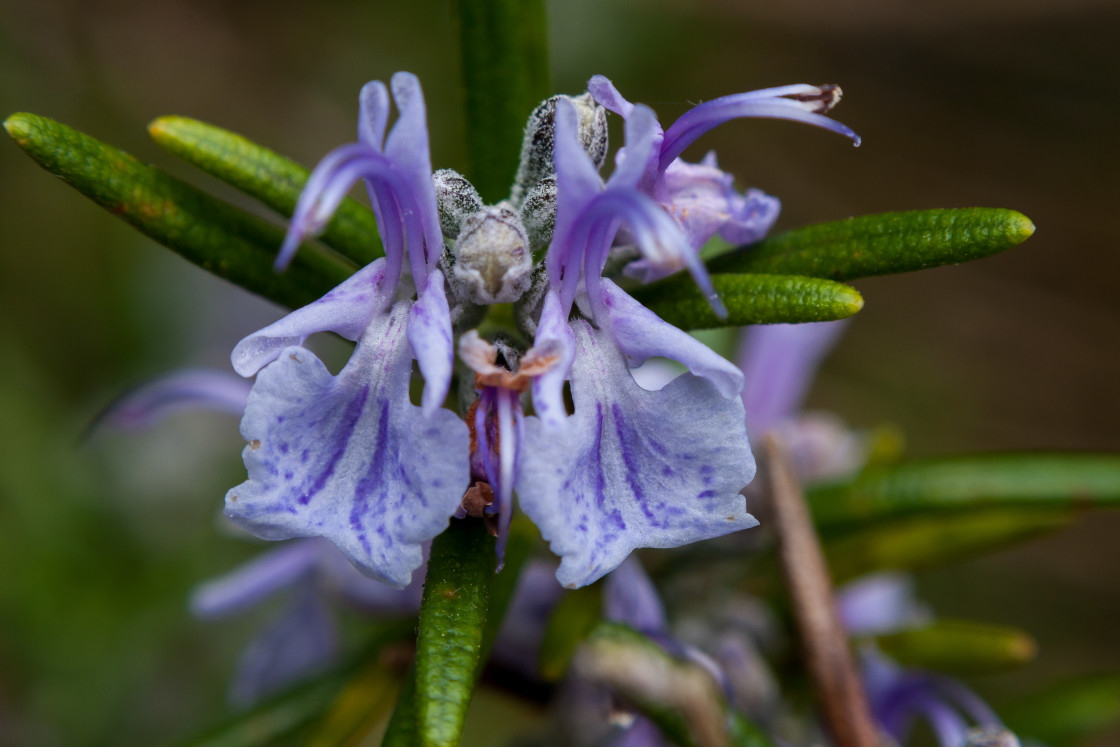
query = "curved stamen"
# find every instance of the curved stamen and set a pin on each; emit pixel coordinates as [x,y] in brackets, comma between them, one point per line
[509,446]
[398,218]
[657,236]
[325,189]
[949,727]
[707,116]
[966,700]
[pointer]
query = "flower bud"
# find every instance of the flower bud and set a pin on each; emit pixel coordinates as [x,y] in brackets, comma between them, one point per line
[536,149]
[538,212]
[456,198]
[492,261]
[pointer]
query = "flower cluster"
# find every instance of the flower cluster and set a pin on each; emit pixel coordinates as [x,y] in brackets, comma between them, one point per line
[547,408]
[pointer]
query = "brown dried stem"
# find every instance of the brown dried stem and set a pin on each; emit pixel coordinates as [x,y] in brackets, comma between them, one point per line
[843,702]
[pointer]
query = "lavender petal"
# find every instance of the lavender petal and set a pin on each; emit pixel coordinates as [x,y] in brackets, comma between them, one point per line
[296,645]
[252,582]
[190,389]
[642,335]
[429,333]
[346,310]
[629,597]
[633,468]
[779,362]
[348,457]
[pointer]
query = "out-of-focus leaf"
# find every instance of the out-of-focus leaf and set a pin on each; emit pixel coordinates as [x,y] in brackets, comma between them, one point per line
[960,647]
[928,541]
[519,543]
[743,733]
[364,704]
[276,718]
[576,615]
[451,629]
[679,696]
[269,177]
[958,484]
[213,234]
[1068,712]
[882,244]
[292,710]
[751,299]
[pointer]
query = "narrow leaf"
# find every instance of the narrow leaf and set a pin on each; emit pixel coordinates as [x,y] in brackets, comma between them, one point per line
[451,630]
[576,615]
[882,244]
[960,647]
[1068,712]
[927,541]
[208,232]
[519,543]
[743,733]
[1016,480]
[276,718]
[751,299]
[269,177]
[360,708]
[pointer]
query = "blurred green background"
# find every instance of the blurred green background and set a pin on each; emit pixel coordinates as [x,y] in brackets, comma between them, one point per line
[998,103]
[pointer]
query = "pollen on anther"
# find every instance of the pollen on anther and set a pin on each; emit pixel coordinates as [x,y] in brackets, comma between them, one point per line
[255,444]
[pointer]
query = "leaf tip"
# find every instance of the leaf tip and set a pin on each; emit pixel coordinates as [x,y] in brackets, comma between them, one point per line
[158,127]
[1019,226]
[19,126]
[850,301]
[1022,648]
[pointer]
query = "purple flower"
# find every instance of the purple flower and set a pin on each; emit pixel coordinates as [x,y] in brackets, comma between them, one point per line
[347,457]
[884,602]
[189,389]
[629,468]
[700,197]
[779,363]
[302,639]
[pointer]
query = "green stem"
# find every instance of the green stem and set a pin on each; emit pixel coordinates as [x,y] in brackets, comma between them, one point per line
[452,629]
[504,49]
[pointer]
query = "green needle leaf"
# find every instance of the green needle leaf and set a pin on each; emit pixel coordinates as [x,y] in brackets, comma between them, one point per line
[213,234]
[928,541]
[276,718]
[1068,712]
[519,543]
[960,647]
[751,299]
[451,630]
[576,615]
[1016,480]
[291,711]
[360,708]
[882,244]
[743,733]
[269,177]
